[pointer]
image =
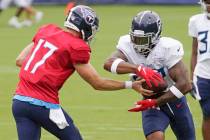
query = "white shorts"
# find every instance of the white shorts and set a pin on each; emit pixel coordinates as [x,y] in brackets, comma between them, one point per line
[23,3]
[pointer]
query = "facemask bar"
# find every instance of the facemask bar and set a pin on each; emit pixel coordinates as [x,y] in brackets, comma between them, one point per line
[94,31]
[143,43]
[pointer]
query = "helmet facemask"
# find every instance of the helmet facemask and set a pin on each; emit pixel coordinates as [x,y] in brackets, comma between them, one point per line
[145,31]
[143,43]
[91,37]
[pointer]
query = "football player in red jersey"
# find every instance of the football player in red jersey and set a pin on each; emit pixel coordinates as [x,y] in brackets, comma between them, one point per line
[46,63]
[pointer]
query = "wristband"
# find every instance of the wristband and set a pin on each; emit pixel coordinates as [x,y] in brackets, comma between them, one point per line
[176,92]
[115,64]
[128,84]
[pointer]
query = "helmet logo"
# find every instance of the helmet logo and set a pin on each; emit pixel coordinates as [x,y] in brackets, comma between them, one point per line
[88,16]
[90,19]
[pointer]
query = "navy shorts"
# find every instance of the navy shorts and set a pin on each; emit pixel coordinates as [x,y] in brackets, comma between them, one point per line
[202,86]
[176,114]
[30,118]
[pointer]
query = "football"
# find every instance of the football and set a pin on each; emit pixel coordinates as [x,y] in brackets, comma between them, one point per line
[162,86]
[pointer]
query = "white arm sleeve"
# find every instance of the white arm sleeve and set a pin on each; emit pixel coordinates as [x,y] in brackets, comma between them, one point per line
[123,45]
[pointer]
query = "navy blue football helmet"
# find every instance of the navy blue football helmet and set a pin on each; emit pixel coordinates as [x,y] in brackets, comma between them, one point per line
[83,19]
[145,31]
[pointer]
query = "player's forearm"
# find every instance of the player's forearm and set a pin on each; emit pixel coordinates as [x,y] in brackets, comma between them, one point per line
[121,68]
[108,84]
[125,68]
[167,97]
[192,67]
[21,57]
[193,56]
[90,75]
[170,96]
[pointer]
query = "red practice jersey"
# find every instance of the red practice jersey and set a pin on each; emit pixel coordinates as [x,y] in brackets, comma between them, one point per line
[50,63]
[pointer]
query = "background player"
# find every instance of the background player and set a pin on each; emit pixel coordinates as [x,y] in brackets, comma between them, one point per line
[46,64]
[23,5]
[145,47]
[199,30]
[73,3]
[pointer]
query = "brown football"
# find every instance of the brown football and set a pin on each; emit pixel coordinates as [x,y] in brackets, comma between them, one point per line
[157,89]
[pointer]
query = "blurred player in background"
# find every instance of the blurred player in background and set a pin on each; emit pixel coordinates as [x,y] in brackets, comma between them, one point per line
[73,3]
[46,64]
[199,30]
[145,47]
[23,6]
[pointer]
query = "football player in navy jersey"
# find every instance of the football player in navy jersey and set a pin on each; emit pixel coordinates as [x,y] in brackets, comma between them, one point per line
[144,46]
[199,30]
[46,63]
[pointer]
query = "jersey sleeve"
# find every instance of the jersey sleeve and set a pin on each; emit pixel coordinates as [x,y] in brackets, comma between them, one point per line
[123,45]
[122,42]
[80,55]
[119,43]
[192,28]
[174,55]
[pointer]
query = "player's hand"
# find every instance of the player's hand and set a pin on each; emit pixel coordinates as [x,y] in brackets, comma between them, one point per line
[137,86]
[144,105]
[149,75]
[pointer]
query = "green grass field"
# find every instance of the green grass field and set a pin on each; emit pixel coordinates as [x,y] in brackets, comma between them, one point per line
[98,115]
